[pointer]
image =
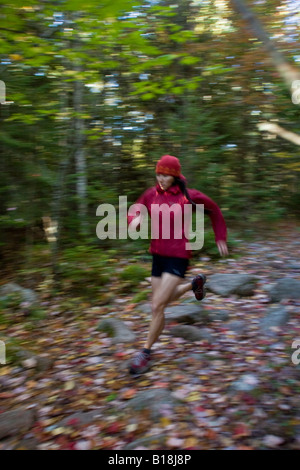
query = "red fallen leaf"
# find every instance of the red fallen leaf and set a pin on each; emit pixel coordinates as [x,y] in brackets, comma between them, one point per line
[249,399]
[88,382]
[128,394]
[200,408]
[223,330]
[120,354]
[73,422]
[63,442]
[285,390]
[161,384]
[210,434]
[130,307]
[114,428]
[241,430]
[6,395]
[71,446]
[108,443]
[37,427]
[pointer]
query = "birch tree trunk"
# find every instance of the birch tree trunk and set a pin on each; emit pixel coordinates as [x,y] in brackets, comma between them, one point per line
[289,73]
[79,153]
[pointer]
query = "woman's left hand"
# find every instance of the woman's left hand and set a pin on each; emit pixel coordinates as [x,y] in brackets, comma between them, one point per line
[222,247]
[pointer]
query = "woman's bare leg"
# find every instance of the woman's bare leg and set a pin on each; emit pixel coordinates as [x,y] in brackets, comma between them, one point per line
[180,290]
[163,292]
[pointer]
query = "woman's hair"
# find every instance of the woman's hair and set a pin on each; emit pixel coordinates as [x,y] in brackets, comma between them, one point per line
[181,183]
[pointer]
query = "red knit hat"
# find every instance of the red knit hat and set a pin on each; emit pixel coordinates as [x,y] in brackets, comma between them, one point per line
[169,165]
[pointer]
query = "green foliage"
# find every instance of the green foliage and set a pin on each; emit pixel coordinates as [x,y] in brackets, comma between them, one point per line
[133,275]
[154,78]
[37,313]
[13,353]
[11,301]
[13,308]
[143,295]
[85,270]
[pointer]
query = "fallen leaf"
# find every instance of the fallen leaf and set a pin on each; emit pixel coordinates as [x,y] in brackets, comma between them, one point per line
[82,445]
[70,385]
[128,394]
[175,442]
[241,430]
[210,434]
[165,421]
[273,441]
[190,442]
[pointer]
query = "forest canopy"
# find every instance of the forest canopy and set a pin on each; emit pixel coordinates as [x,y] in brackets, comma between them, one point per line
[95,93]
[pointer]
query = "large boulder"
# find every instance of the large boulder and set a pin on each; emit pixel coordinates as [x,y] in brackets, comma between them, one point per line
[192,333]
[117,329]
[276,317]
[229,284]
[18,355]
[237,326]
[27,295]
[16,421]
[287,288]
[184,314]
[246,383]
[154,400]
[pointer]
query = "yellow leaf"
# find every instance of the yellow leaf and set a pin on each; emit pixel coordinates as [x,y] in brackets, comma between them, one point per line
[145,383]
[194,396]
[294,422]
[31,384]
[190,442]
[52,399]
[57,431]
[69,385]
[165,421]
[85,402]
[250,358]
[15,57]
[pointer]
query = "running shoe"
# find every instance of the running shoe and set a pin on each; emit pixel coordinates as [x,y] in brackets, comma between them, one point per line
[198,286]
[141,363]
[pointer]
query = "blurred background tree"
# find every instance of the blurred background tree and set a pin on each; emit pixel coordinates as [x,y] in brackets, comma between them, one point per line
[101,90]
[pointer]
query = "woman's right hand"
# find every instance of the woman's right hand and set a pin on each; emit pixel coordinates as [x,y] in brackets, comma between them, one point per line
[222,247]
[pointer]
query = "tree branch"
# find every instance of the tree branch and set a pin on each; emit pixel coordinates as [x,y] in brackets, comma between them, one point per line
[289,73]
[275,129]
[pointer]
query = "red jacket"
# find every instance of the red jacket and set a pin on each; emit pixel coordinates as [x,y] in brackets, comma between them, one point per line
[174,246]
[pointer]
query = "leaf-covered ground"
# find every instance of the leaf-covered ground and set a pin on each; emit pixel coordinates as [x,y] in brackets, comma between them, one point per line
[84,398]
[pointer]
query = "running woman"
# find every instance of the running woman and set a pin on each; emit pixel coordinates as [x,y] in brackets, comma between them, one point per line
[171,256]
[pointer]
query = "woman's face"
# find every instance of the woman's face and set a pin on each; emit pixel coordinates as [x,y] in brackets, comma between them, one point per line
[164,181]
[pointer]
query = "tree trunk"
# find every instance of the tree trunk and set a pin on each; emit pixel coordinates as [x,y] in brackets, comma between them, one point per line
[289,73]
[58,195]
[79,154]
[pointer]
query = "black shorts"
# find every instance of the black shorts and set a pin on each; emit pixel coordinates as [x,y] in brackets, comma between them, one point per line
[169,264]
